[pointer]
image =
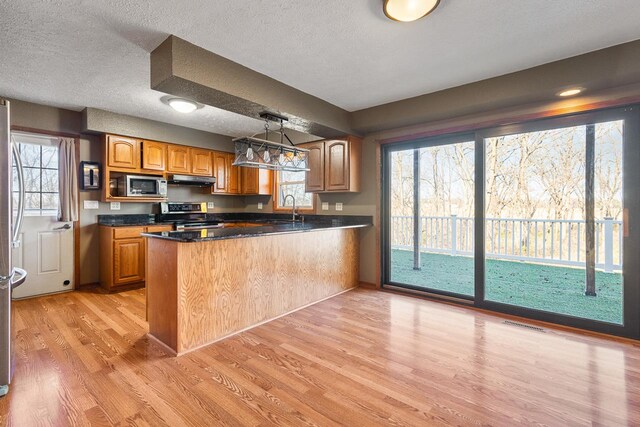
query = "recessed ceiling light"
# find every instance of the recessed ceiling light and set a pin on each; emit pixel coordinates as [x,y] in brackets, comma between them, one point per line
[570,92]
[183,105]
[408,10]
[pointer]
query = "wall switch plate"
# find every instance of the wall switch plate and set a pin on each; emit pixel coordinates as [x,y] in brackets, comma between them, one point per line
[114,206]
[325,206]
[211,205]
[338,206]
[259,205]
[91,204]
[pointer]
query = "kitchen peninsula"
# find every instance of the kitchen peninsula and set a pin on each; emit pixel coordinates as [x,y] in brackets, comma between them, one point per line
[208,284]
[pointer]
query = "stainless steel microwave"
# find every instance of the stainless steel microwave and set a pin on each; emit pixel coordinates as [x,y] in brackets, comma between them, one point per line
[142,186]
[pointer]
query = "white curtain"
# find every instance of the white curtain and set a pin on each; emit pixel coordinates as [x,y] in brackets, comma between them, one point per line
[67,180]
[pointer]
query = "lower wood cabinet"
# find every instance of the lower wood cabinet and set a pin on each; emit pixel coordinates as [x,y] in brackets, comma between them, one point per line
[122,255]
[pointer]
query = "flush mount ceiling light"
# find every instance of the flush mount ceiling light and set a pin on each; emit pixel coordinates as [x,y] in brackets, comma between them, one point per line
[570,92]
[408,10]
[183,105]
[263,154]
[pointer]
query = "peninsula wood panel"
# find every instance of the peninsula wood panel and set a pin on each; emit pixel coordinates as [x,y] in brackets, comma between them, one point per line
[224,286]
[163,320]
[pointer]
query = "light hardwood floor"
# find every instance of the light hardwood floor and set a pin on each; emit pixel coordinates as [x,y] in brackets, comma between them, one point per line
[361,358]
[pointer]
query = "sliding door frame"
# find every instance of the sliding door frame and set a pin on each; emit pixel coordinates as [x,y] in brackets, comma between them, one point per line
[631,219]
[386,210]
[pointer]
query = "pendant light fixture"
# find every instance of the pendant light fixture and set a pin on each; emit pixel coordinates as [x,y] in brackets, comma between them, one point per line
[261,153]
[408,10]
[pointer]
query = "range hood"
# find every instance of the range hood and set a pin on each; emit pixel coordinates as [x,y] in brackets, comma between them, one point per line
[195,181]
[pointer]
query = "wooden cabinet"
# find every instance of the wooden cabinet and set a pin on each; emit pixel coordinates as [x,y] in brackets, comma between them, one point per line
[154,155]
[201,162]
[227,176]
[315,175]
[178,159]
[254,181]
[233,175]
[122,152]
[128,261]
[220,161]
[122,255]
[334,165]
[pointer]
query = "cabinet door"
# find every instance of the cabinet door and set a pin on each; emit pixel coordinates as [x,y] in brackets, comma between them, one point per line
[315,176]
[122,152]
[154,155]
[336,158]
[201,162]
[233,175]
[249,180]
[128,261]
[220,172]
[178,160]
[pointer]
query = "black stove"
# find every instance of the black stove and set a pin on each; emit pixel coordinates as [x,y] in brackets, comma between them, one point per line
[186,216]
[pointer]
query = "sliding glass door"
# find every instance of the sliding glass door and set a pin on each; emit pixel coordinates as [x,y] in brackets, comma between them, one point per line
[553,220]
[431,217]
[534,219]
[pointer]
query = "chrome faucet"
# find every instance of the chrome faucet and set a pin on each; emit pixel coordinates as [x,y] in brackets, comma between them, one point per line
[293,211]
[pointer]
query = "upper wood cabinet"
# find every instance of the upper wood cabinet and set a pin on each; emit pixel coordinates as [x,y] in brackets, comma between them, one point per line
[201,162]
[122,152]
[334,165]
[220,160]
[315,175]
[233,175]
[256,181]
[178,159]
[227,176]
[154,155]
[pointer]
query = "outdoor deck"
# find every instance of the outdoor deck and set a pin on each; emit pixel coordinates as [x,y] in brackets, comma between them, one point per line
[545,287]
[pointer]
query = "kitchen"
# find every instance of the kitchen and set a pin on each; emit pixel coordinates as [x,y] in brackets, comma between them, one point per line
[226,222]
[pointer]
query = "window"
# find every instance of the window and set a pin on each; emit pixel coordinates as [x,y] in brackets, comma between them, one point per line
[40,165]
[292,183]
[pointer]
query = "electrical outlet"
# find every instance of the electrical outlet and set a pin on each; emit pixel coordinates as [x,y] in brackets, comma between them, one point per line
[325,206]
[114,206]
[211,205]
[259,205]
[91,204]
[338,206]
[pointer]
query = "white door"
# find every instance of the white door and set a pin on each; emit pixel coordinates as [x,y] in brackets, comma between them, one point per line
[46,245]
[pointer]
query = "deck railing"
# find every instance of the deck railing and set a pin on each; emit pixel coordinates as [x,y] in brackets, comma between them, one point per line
[558,242]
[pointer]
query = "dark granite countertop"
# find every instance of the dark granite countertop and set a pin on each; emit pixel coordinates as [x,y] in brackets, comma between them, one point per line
[128,220]
[269,228]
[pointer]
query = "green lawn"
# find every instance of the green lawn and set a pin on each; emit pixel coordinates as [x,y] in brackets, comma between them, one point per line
[543,287]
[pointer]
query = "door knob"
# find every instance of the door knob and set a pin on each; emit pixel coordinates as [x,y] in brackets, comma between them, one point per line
[63,227]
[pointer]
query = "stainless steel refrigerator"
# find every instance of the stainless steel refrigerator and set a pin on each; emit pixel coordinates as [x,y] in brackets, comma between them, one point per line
[10,223]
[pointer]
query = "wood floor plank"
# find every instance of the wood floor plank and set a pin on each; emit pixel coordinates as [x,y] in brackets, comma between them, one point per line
[362,358]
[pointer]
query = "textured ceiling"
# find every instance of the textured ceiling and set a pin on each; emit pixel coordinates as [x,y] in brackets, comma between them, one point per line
[77,54]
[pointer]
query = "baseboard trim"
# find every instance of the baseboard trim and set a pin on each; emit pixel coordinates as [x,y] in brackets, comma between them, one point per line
[368,285]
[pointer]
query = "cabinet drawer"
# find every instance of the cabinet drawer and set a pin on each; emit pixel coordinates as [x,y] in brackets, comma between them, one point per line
[127,232]
[159,228]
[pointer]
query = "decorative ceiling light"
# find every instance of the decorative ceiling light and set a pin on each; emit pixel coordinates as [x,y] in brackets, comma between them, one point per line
[408,10]
[570,92]
[183,105]
[261,153]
